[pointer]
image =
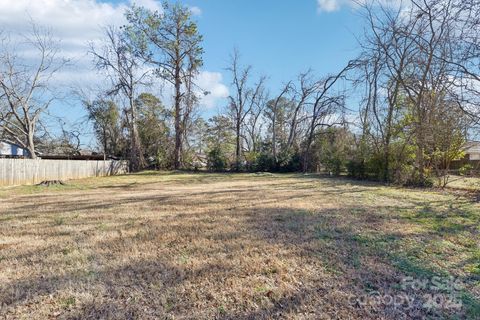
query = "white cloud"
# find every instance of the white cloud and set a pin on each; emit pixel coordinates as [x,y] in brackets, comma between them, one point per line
[328,5]
[196,11]
[205,82]
[335,5]
[71,20]
[212,82]
[77,23]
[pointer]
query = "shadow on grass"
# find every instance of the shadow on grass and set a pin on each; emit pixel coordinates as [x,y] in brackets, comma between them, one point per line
[351,245]
[209,265]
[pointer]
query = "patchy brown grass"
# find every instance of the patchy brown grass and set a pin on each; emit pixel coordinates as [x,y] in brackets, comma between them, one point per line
[464,182]
[247,246]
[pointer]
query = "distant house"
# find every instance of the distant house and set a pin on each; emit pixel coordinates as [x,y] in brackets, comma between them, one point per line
[11,150]
[470,159]
[200,161]
[472,150]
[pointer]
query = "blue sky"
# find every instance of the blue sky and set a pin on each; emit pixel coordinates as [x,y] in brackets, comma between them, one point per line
[278,38]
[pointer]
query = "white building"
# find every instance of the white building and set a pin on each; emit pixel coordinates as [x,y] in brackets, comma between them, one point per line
[8,149]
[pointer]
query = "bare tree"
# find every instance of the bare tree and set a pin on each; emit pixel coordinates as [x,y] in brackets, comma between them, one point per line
[464,58]
[327,110]
[414,65]
[26,90]
[272,114]
[253,124]
[386,55]
[244,99]
[127,74]
[304,90]
[189,115]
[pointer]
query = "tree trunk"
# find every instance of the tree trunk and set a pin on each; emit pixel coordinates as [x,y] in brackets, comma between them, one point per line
[386,149]
[386,169]
[105,144]
[305,158]
[178,120]
[421,161]
[31,146]
[307,148]
[274,137]
[291,135]
[137,159]
[237,147]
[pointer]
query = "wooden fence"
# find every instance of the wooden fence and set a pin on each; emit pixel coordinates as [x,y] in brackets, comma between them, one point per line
[28,171]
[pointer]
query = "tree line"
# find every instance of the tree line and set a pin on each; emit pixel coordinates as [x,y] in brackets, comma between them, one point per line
[400,112]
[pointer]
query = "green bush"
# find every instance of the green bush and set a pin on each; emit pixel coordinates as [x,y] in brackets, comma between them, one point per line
[335,165]
[216,160]
[371,168]
[288,162]
[356,169]
[465,169]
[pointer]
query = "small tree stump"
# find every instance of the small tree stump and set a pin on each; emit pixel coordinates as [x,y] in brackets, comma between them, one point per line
[48,183]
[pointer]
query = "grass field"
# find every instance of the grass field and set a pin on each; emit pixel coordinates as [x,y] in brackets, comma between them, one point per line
[246,246]
[464,183]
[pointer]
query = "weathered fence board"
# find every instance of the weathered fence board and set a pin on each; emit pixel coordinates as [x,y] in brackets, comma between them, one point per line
[27,171]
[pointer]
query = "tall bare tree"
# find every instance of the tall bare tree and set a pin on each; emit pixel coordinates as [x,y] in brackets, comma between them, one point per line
[253,123]
[415,63]
[26,90]
[464,59]
[272,112]
[304,90]
[385,57]
[244,99]
[127,74]
[327,109]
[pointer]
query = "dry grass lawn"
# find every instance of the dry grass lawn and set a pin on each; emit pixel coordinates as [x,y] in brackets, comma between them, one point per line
[246,246]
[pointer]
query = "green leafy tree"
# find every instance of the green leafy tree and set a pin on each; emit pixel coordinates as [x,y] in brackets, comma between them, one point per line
[277,113]
[220,138]
[217,160]
[154,130]
[170,41]
[332,149]
[107,125]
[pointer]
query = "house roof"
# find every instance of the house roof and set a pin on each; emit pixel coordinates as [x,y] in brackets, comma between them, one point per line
[472,147]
